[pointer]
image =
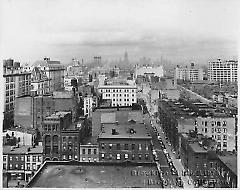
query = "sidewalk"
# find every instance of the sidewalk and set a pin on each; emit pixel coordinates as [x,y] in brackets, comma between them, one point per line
[187,182]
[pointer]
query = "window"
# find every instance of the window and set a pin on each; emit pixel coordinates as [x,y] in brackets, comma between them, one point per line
[118,146]
[219,130]
[4,158]
[213,123]
[83,151]
[102,145]
[10,166]
[206,123]
[219,137]
[224,123]
[218,123]
[110,156]
[146,156]
[212,130]
[94,151]
[22,167]
[224,137]
[83,159]
[70,157]
[205,130]
[34,158]
[102,156]
[110,146]
[4,166]
[224,144]
[16,166]
[146,147]
[34,166]
[28,166]
[204,165]
[118,156]
[133,157]
[139,156]
[39,159]
[126,156]
[10,158]
[224,130]
[139,147]
[133,146]
[126,147]
[89,151]
[211,164]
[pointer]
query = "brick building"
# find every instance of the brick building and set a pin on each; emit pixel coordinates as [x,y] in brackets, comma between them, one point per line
[89,152]
[21,163]
[122,142]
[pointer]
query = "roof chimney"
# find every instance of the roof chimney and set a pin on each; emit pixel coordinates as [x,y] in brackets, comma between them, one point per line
[114,132]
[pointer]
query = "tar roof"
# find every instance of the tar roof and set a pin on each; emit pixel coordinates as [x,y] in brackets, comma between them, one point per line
[22,150]
[123,131]
[95,175]
[230,161]
[197,148]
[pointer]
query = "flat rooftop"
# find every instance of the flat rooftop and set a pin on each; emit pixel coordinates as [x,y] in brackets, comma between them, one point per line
[95,175]
[22,150]
[123,131]
[230,161]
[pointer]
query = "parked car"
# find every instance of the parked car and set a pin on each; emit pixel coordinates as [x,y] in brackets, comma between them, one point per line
[174,171]
[179,182]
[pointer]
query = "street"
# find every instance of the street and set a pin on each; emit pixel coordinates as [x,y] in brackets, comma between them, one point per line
[164,166]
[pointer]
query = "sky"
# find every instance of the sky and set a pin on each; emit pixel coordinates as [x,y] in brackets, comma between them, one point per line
[177,30]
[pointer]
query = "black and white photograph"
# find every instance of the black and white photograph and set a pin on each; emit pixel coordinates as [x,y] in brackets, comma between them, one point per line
[119,93]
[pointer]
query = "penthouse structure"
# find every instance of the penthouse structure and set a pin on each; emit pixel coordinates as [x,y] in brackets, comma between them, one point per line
[223,71]
[119,92]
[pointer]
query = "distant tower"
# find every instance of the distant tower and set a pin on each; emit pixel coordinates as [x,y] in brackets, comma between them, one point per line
[126,57]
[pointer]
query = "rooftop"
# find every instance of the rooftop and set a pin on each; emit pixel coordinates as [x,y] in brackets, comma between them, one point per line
[230,160]
[122,131]
[58,115]
[95,175]
[22,150]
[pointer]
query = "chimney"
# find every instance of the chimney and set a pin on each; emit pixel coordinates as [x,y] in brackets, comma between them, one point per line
[113,131]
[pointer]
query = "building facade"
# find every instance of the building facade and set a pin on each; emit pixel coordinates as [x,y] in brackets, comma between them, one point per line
[223,71]
[121,95]
[89,153]
[191,73]
[89,103]
[17,82]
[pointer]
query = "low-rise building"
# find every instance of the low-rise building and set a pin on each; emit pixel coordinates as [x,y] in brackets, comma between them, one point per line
[118,143]
[89,152]
[21,162]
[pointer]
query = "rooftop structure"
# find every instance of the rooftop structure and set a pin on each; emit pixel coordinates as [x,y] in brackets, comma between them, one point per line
[22,150]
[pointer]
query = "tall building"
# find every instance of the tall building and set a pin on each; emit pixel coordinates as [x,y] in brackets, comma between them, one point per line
[90,102]
[223,71]
[54,71]
[39,82]
[191,73]
[120,93]
[17,82]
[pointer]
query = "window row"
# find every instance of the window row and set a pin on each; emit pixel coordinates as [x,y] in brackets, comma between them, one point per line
[17,158]
[218,130]
[125,100]
[89,151]
[125,156]
[116,90]
[34,159]
[214,123]
[125,146]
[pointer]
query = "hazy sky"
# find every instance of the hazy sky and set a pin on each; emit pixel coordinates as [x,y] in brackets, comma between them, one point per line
[178,30]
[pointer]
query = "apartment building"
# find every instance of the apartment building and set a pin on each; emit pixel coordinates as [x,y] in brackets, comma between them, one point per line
[89,152]
[54,71]
[149,71]
[21,162]
[191,73]
[39,82]
[223,71]
[89,102]
[119,142]
[17,82]
[221,129]
[120,93]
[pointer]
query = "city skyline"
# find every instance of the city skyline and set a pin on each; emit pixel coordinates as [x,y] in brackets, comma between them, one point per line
[177,31]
